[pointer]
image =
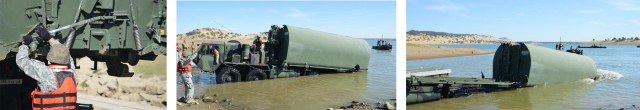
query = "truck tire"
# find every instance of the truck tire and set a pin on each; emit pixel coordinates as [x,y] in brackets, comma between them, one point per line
[312,73]
[114,67]
[355,69]
[255,74]
[133,58]
[228,74]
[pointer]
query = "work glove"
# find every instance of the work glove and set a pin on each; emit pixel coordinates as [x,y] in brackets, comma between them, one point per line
[26,40]
[43,33]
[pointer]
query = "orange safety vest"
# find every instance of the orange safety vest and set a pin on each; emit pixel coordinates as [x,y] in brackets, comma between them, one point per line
[184,69]
[62,98]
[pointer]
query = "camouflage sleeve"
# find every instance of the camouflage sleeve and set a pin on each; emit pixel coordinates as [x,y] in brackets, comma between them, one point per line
[193,56]
[179,57]
[188,60]
[34,68]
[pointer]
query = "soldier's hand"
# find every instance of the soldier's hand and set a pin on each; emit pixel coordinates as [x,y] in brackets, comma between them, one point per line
[43,33]
[26,40]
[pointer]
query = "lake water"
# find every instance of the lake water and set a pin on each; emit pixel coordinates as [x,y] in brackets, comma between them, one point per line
[621,63]
[309,92]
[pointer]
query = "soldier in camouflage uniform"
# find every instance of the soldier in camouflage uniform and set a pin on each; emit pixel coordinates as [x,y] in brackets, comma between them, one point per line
[37,70]
[184,68]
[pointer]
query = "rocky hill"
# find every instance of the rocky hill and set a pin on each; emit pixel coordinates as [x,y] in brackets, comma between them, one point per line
[432,37]
[194,37]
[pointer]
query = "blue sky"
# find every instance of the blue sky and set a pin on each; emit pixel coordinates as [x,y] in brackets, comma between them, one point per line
[528,20]
[359,19]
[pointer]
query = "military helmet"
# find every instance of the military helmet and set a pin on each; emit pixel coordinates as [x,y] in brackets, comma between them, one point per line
[59,54]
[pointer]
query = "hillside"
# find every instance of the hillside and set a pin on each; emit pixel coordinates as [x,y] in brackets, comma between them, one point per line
[432,37]
[194,37]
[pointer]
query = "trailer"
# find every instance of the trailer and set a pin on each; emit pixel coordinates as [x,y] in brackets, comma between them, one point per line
[515,65]
[289,52]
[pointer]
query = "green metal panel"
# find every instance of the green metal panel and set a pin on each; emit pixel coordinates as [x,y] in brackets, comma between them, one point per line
[17,17]
[413,98]
[115,31]
[306,47]
[551,66]
[532,65]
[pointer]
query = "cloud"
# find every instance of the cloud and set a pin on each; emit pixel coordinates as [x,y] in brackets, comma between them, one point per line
[594,22]
[298,14]
[626,5]
[448,7]
[462,15]
[350,18]
[445,6]
[248,9]
[634,21]
[273,10]
[589,11]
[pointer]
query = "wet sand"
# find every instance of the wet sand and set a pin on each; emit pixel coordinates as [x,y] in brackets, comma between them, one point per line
[211,102]
[415,51]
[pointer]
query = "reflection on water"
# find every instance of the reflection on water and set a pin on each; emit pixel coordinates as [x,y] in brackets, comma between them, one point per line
[566,96]
[296,93]
[615,62]
[487,47]
[309,92]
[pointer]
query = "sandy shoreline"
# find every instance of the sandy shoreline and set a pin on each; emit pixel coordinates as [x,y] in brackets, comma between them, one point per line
[415,51]
[626,42]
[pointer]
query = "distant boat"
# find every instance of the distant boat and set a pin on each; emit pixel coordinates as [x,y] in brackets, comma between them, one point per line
[382,45]
[592,46]
[638,46]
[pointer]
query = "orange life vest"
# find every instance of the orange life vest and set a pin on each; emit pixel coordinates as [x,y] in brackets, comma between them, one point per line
[60,99]
[184,69]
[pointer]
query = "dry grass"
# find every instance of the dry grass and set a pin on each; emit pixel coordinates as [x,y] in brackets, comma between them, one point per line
[153,68]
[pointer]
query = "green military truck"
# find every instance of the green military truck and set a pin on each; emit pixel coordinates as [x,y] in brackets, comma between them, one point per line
[117,32]
[288,52]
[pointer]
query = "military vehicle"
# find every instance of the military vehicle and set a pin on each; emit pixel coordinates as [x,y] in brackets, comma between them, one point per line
[111,31]
[592,46]
[289,52]
[382,45]
[514,66]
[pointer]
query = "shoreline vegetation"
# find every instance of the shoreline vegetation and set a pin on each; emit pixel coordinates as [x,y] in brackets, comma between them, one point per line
[626,42]
[616,40]
[421,51]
